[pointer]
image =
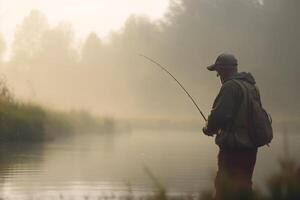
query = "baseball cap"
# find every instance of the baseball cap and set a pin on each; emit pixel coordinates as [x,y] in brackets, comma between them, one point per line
[225,61]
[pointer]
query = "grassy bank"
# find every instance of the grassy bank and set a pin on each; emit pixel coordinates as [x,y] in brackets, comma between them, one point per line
[26,122]
[20,122]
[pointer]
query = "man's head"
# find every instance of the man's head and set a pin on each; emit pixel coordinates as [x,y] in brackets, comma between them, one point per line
[225,66]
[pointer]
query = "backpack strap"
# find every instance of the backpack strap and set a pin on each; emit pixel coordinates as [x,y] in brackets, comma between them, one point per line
[244,91]
[258,94]
[244,95]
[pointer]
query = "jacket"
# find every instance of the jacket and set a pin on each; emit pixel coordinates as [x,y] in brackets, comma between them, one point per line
[229,115]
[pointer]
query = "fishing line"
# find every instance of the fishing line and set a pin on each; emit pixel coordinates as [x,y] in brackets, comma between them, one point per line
[165,70]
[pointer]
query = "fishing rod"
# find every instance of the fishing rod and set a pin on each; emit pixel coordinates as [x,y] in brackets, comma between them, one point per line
[188,94]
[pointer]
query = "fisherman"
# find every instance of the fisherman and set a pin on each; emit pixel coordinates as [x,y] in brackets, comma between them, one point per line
[228,121]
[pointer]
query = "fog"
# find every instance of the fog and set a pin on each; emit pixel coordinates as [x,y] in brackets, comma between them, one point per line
[50,66]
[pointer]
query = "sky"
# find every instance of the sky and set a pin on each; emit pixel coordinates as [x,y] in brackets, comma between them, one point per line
[100,16]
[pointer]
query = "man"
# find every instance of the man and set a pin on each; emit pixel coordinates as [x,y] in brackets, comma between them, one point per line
[228,120]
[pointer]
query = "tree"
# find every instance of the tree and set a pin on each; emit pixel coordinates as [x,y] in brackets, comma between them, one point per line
[27,37]
[56,48]
[92,50]
[2,48]
[282,54]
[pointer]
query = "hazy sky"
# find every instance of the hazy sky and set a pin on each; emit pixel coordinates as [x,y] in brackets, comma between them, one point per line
[114,81]
[101,16]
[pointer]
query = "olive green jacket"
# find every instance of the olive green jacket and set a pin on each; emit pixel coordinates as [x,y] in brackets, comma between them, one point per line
[229,116]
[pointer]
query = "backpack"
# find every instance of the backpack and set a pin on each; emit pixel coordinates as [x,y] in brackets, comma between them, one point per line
[259,121]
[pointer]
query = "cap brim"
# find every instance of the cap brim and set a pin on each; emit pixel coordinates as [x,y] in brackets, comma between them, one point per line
[211,67]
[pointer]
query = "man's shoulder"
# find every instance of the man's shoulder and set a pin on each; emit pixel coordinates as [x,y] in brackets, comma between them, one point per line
[231,85]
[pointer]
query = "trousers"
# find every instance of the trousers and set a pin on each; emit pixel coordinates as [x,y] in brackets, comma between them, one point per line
[234,176]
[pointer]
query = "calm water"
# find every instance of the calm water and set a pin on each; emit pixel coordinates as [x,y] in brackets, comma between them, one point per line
[90,166]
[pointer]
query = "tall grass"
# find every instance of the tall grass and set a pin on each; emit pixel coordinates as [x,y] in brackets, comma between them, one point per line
[282,185]
[20,122]
[26,122]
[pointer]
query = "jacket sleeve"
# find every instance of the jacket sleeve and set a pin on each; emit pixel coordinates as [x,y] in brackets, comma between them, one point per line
[223,108]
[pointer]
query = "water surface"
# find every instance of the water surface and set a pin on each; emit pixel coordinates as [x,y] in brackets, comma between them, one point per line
[112,164]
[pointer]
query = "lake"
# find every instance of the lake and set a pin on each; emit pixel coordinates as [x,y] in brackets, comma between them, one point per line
[90,166]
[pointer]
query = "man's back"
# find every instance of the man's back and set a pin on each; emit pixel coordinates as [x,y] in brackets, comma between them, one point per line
[229,116]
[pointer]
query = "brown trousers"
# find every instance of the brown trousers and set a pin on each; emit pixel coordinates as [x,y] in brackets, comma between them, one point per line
[234,176]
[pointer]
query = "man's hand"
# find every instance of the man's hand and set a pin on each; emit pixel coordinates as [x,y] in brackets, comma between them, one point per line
[204,130]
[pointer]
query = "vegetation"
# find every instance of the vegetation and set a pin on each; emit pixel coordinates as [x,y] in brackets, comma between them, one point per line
[25,122]
[284,185]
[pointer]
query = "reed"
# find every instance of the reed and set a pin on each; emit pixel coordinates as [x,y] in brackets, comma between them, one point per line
[27,122]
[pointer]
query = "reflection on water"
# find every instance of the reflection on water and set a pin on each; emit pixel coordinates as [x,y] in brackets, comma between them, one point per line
[96,165]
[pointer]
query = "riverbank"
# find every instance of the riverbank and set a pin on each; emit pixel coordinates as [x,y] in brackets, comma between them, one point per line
[28,122]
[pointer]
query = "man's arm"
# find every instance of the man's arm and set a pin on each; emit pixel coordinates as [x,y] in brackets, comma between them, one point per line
[223,109]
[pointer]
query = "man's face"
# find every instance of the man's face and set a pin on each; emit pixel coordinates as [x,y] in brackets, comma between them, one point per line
[220,74]
[217,69]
